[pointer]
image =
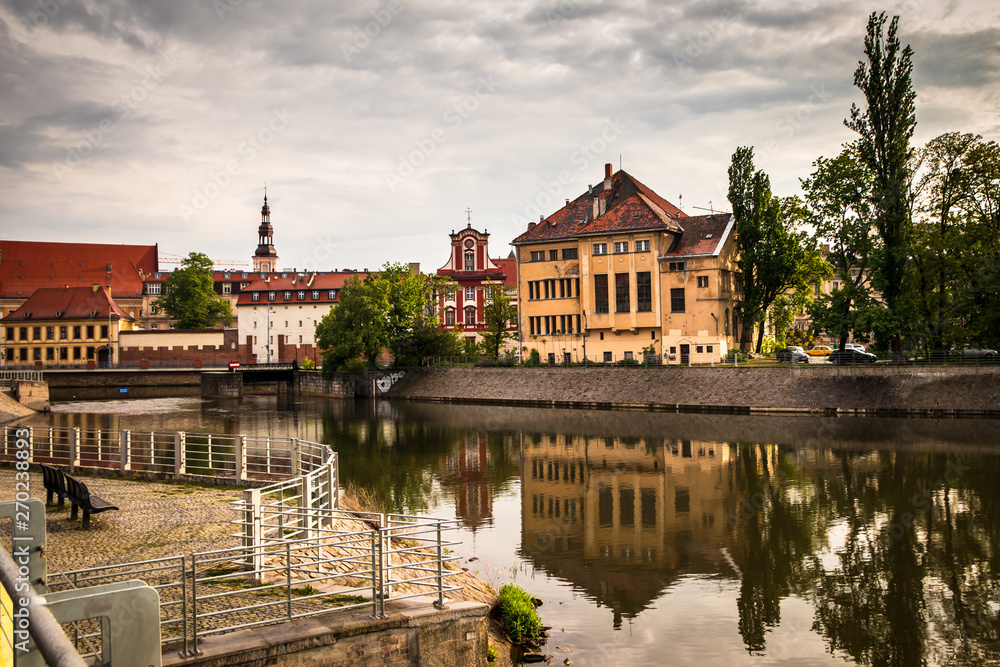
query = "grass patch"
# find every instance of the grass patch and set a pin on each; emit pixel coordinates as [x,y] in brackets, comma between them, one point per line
[519,616]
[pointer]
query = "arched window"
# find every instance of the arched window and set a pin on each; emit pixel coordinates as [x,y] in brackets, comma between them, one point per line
[470,315]
[727,321]
[470,261]
[449,317]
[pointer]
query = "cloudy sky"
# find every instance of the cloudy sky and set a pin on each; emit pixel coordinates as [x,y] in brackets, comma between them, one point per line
[377,123]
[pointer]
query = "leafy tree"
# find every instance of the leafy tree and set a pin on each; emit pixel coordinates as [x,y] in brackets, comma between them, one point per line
[885,128]
[839,197]
[388,309]
[955,249]
[189,296]
[498,312]
[773,256]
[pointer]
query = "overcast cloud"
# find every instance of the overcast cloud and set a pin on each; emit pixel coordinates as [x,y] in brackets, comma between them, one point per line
[377,123]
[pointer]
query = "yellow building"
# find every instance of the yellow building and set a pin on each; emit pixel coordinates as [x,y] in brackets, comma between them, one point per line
[64,326]
[621,273]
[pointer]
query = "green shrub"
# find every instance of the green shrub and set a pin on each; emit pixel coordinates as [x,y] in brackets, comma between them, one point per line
[492,654]
[308,365]
[737,354]
[517,609]
[535,359]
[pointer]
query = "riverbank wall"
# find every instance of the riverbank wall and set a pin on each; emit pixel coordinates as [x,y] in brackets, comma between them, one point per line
[878,390]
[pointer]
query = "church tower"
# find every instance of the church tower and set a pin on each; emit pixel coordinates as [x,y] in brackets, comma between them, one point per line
[266,258]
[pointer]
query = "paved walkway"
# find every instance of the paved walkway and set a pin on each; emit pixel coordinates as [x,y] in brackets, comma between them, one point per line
[154,520]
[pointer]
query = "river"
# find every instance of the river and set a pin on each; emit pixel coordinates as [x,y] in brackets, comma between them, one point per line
[682,539]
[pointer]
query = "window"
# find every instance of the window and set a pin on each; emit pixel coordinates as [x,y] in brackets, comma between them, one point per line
[63,354]
[836,285]
[271,296]
[643,292]
[24,354]
[607,357]
[600,248]
[676,266]
[104,331]
[621,293]
[288,296]
[76,332]
[449,317]
[24,333]
[227,288]
[470,293]
[537,255]
[255,296]
[10,333]
[76,354]
[36,333]
[600,294]
[333,294]
[301,296]
[36,354]
[642,246]
[152,288]
[621,246]
[470,261]
[470,316]
[50,333]
[553,255]
[702,281]
[50,354]
[677,300]
[315,295]
[90,331]
[569,253]
[62,333]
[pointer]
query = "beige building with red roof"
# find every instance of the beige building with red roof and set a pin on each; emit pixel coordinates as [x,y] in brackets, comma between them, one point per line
[620,271]
[64,327]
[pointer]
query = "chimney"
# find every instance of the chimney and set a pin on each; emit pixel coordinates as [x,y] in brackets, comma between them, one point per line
[531,225]
[607,176]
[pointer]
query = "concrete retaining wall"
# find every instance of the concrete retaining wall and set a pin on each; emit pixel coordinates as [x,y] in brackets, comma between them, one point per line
[311,383]
[412,634]
[880,389]
[33,395]
[222,385]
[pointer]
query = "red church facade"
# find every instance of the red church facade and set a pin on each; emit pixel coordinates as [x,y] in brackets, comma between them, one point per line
[472,271]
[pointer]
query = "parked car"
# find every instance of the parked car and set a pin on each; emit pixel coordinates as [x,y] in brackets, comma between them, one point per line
[819,351]
[793,353]
[849,355]
[854,346]
[975,352]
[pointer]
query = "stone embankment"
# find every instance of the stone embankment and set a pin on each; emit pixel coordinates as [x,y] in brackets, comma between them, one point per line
[886,390]
[10,409]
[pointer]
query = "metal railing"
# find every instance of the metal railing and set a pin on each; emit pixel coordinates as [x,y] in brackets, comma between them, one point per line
[11,378]
[213,592]
[294,538]
[194,456]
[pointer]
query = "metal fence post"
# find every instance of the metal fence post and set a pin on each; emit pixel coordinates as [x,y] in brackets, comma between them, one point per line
[440,574]
[179,452]
[306,513]
[74,448]
[288,578]
[241,458]
[194,605]
[252,529]
[125,449]
[296,463]
[375,574]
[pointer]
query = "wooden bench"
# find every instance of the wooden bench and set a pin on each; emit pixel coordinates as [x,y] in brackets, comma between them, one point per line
[55,484]
[81,498]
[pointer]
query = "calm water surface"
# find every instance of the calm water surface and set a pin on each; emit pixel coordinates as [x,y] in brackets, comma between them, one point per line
[680,539]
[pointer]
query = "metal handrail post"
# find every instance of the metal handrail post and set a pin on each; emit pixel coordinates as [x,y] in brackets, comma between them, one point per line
[194,605]
[125,449]
[440,575]
[184,616]
[375,592]
[288,578]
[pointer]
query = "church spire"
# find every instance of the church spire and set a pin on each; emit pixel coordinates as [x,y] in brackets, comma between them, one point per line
[266,258]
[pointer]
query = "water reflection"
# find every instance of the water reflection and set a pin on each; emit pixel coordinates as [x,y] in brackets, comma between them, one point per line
[874,541]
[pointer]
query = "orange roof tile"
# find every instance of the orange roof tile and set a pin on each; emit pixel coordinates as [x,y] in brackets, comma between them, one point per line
[26,266]
[67,303]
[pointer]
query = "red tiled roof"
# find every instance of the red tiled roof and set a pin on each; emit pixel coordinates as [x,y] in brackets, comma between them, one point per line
[509,268]
[67,303]
[703,235]
[26,266]
[629,206]
[322,282]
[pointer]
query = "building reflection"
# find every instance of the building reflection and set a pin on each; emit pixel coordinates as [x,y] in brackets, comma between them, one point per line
[465,472]
[621,516]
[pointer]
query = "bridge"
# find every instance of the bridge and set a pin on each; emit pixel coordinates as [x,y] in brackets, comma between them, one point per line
[261,373]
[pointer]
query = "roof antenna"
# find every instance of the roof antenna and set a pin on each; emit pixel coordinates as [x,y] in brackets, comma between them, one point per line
[619,162]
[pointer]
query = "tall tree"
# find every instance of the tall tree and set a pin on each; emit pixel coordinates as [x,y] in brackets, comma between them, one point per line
[383,311]
[773,256]
[499,313]
[189,296]
[885,128]
[838,195]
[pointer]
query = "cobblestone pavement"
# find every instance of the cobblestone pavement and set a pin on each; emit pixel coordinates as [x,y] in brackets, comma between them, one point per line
[155,519]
